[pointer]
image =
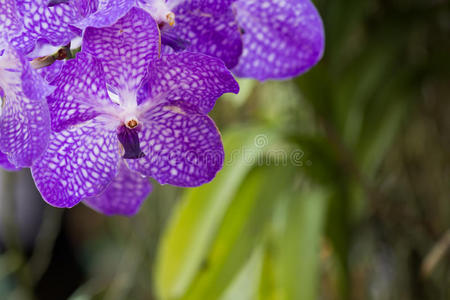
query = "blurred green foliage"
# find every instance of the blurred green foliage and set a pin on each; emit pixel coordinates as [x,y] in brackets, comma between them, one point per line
[335,186]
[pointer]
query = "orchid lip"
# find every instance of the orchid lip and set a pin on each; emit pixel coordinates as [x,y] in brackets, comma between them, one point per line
[173,41]
[129,138]
[56,2]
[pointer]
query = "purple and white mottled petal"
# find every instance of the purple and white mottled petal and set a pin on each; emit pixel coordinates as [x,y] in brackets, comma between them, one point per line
[80,92]
[182,147]
[24,116]
[49,73]
[10,24]
[83,8]
[33,85]
[124,195]
[80,162]
[107,13]
[24,128]
[192,78]
[282,38]
[208,28]
[125,49]
[5,164]
[42,22]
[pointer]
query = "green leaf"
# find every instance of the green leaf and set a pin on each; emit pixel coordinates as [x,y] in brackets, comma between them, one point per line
[269,283]
[197,217]
[300,245]
[383,122]
[242,230]
[245,284]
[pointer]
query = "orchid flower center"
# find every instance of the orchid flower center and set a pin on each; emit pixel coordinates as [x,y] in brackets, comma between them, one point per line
[131,123]
[170,18]
[160,11]
[128,136]
[123,117]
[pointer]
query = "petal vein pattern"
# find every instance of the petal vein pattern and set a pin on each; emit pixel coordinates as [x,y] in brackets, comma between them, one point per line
[80,162]
[209,28]
[182,147]
[282,38]
[125,49]
[5,163]
[10,24]
[80,92]
[124,195]
[107,13]
[192,78]
[40,21]
[24,116]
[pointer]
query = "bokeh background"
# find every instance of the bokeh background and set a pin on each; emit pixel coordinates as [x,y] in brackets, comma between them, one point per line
[336,186]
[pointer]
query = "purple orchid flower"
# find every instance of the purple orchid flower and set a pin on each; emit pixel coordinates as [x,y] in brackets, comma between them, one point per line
[43,22]
[198,26]
[49,22]
[34,29]
[121,113]
[270,39]
[24,116]
[202,26]
[282,38]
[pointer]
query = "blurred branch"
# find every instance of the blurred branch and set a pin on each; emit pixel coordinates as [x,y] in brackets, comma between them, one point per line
[45,241]
[118,283]
[8,213]
[435,255]
[127,267]
[11,235]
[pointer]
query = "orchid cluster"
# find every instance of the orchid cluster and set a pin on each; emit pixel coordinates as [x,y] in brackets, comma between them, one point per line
[99,95]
